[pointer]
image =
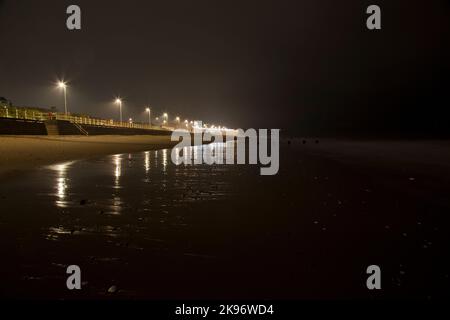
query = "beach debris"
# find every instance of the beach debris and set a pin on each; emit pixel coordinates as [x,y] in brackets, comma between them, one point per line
[112,289]
[83,202]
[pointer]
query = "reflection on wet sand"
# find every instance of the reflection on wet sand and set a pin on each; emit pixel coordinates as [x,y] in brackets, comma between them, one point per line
[147,161]
[156,230]
[61,183]
[172,186]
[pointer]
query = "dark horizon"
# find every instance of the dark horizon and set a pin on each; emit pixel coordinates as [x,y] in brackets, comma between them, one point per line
[307,67]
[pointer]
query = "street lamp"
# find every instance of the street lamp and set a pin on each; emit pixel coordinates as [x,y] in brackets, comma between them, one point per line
[119,102]
[63,85]
[149,116]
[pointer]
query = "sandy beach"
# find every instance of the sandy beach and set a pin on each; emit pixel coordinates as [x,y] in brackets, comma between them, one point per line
[18,153]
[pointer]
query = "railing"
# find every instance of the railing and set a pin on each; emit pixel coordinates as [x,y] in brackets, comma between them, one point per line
[16,113]
[19,113]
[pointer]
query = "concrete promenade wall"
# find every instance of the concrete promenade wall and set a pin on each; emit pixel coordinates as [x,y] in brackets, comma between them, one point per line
[9,126]
[21,127]
[102,130]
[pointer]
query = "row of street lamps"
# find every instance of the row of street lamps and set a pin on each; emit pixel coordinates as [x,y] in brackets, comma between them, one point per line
[63,85]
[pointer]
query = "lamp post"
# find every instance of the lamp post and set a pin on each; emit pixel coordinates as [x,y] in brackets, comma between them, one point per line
[119,102]
[63,86]
[149,116]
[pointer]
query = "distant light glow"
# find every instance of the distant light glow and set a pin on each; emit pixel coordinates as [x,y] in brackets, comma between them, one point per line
[62,84]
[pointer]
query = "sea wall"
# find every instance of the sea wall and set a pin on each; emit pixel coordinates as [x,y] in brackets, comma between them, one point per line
[10,126]
[103,130]
[21,127]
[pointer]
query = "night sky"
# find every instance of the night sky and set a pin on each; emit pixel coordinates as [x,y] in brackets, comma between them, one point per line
[308,67]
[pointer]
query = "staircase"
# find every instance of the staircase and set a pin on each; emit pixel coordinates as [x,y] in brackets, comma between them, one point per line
[52,128]
[81,129]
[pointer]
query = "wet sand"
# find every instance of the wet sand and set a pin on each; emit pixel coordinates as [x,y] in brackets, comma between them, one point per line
[158,231]
[18,153]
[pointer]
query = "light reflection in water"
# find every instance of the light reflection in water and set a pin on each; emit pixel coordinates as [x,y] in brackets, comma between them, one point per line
[147,161]
[117,170]
[61,184]
[117,201]
[164,159]
[163,179]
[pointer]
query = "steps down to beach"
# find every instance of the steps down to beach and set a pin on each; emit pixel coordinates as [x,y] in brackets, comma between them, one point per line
[52,128]
[81,129]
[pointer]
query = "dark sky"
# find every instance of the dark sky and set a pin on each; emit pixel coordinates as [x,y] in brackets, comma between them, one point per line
[304,66]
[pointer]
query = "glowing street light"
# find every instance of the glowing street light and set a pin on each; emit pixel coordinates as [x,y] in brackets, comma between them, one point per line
[177,119]
[119,102]
[149,116]
[63,85]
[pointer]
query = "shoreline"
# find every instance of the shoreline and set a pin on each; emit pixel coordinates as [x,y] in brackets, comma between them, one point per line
[23,153]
